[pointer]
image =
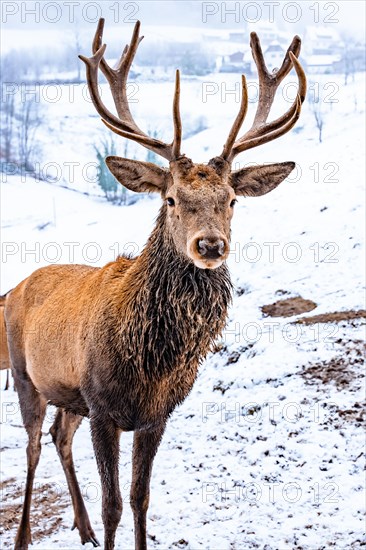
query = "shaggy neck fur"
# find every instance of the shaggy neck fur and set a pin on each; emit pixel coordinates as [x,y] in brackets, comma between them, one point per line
[175,310]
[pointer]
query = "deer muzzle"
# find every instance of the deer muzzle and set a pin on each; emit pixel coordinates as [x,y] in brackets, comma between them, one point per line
[208,252]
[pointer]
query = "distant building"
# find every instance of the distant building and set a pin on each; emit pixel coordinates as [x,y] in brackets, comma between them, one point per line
[274,55]
[322,50]
[322,41]
[238,37]
[266,31]
[322,64]
[234,63]
[353,59]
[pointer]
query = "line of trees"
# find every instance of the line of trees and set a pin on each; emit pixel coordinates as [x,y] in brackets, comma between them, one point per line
[20,117]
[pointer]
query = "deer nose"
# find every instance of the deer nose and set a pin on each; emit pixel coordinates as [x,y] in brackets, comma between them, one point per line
[211,249]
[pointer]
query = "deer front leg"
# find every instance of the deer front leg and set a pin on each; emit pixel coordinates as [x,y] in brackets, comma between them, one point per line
[145,445]
[105,436]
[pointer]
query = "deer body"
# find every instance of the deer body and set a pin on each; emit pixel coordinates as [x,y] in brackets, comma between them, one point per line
[122,344]
[141,326]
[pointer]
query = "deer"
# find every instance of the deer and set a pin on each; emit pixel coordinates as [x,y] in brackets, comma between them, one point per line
[4,351]
[122,344]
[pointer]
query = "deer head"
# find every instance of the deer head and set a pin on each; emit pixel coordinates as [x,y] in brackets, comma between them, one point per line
[199,198]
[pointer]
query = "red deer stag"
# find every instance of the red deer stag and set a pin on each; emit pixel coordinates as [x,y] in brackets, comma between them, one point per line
[140,327]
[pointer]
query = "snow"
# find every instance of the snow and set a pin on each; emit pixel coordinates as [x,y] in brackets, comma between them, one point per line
[257,456]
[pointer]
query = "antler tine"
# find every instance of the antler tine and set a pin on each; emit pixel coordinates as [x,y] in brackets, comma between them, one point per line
[117,78]
[125,125]
[130,50]
[108,71]
[269,82]
[278,131]
[258,55]
[176,118]
[153,144]
[238,121]
[175,146]
[92,65]
[261,131]
[300,75]
[294,48]
[97,43]
[267,132]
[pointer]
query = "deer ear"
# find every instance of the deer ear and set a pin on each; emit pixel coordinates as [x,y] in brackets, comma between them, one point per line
[139,176]
[254,181]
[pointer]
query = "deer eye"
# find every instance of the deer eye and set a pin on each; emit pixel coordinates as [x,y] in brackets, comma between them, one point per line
[232,203]
[170,201]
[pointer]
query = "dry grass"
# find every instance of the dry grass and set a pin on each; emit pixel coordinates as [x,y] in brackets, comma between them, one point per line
[47,507]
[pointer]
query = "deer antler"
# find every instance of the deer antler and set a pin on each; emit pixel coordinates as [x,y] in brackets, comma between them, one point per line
[261,130]
[124,125]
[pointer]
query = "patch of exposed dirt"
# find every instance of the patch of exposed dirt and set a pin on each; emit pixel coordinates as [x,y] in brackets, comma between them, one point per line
[358,543]
[220,386]
[288,307]
[10,517]
[6,483]
[335,317]
[233,357]
[240,290]
[341,370]
[47,506]
[338,418]
[356,414]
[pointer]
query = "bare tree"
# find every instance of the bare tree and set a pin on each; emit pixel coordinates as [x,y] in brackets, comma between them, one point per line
[8,88]
[348,65]
[319,119]
[29,120]
[69,60]
[316,105]
[20,114]
[77,46]
[7,122]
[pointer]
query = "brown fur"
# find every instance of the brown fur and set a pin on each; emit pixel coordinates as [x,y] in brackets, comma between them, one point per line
[137,334]
[4,351]
[122,344]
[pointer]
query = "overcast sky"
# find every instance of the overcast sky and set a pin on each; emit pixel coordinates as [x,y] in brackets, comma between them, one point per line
[347,16]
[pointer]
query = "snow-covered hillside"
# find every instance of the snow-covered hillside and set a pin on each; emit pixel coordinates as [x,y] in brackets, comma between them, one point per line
[267,451]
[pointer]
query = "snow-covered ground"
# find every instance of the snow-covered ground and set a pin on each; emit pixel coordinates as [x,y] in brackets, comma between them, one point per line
[266,452]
